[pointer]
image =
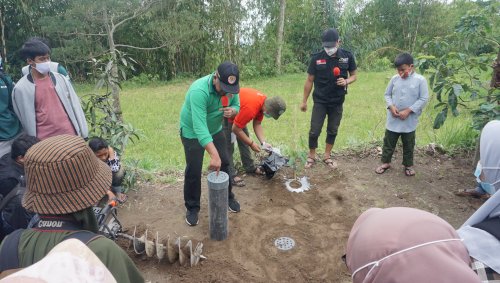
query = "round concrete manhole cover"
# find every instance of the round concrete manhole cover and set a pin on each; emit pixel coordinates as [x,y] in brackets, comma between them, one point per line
[284,243]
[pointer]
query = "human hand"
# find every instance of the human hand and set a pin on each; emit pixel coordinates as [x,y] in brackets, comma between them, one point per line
[215,163]
[255,147]
[341,82]
[111,153]
[229,112]
[404,113]
[267,147]
[394,111]
[303,106]
[111,195]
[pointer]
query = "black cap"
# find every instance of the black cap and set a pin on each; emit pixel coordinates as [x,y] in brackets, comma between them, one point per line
[330,37]
[229,77]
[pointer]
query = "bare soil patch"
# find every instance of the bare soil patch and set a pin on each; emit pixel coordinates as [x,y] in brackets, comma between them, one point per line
[319,220]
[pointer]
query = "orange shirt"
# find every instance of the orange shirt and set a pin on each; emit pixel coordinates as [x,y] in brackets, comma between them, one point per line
[251,102]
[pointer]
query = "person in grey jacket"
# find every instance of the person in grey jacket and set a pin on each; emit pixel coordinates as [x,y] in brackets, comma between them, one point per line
[52,107]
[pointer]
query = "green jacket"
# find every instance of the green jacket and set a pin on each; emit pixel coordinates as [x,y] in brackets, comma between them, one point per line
[9,124]
[201,117]
[34,245]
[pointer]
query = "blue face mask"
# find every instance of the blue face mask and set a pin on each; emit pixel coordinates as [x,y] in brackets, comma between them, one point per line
[487,187]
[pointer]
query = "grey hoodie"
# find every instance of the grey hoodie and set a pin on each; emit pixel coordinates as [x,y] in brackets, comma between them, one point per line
[23,101]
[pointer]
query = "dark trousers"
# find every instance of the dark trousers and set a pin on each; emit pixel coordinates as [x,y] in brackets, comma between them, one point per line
[245,151]
[194,153]
[116,184]
[390,141]
[319,112]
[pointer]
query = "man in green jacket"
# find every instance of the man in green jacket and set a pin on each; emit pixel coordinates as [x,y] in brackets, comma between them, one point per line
[10,127]
[64,180]
[208,100]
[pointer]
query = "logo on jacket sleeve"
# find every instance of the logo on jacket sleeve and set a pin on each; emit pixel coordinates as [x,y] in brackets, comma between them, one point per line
[343,60]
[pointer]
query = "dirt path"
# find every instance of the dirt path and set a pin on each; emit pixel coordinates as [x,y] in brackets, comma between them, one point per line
[318,220]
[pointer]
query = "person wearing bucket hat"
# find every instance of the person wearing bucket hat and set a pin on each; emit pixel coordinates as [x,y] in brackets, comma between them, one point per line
[254,106]
[330,71]
[208,100]
[64,180]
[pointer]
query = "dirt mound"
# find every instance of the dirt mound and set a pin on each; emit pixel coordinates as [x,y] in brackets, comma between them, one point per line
[318,220]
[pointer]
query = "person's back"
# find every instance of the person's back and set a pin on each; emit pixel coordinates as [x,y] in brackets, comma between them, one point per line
[64,180]
[69,261]
[34,245]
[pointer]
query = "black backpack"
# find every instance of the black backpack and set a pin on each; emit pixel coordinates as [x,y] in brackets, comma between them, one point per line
[13,216]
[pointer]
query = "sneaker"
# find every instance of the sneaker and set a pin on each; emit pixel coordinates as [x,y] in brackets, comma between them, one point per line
[192,218]
[233,205]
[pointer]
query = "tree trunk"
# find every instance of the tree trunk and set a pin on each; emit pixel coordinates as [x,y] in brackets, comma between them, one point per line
[495,78]
[113,78]
[412,46]
[280,34]
[3,36]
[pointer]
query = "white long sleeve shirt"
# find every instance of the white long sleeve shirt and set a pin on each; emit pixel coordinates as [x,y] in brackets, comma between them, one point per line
[412,93]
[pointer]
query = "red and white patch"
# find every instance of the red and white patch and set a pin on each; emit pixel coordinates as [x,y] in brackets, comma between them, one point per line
[321,62]
[231,80]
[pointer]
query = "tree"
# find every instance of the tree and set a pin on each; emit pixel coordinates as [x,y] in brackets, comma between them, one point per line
[456,64]
[103,19]
[280,34]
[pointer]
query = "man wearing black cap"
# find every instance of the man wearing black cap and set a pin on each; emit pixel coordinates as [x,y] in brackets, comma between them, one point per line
[330,70]
[208,101]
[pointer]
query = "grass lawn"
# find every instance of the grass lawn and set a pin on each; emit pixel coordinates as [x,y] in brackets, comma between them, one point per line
[155,111]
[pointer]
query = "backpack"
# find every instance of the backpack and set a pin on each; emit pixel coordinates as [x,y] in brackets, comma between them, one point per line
[13,216]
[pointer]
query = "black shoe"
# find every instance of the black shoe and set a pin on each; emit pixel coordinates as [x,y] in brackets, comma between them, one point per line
[233,205]
[192,218]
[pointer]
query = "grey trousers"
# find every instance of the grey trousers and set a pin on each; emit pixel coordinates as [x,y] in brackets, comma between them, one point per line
[245,151]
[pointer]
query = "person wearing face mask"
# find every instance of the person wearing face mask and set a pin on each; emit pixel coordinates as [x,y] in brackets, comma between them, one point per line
[406,96]
[10,127]
[44,101]
[487,172]
[208,100]
[330,71]
[254,106]
[54,66]
[406,245]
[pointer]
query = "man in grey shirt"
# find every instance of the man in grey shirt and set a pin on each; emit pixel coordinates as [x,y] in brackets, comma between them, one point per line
[405,96]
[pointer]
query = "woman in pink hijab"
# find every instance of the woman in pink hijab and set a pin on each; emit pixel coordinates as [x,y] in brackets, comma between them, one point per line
[406,245]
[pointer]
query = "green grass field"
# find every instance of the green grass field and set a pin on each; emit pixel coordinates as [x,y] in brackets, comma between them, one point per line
[155,111]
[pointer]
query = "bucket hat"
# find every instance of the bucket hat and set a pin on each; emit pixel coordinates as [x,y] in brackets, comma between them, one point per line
[64,176]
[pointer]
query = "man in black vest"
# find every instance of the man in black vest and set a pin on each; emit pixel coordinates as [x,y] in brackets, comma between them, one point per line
[330,70]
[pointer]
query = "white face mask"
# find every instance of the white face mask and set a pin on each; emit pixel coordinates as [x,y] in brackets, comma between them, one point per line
[43,68]
[487,187]
[330,50]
